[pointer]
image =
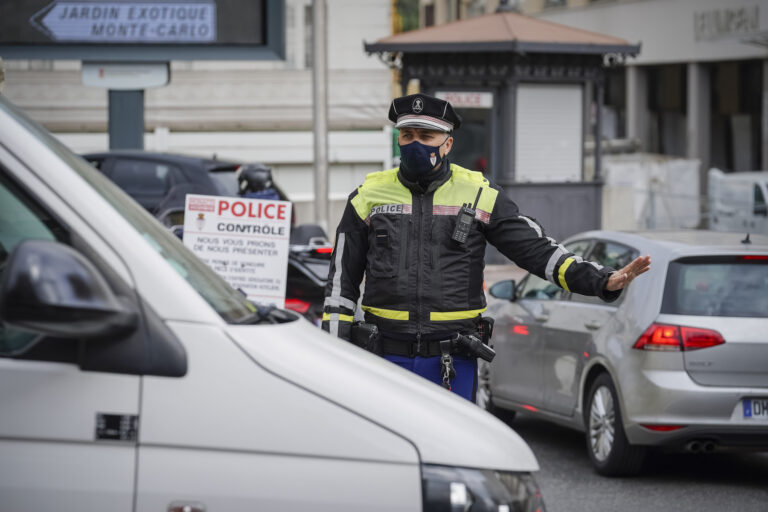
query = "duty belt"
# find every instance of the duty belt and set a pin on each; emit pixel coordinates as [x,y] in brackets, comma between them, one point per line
[410,348]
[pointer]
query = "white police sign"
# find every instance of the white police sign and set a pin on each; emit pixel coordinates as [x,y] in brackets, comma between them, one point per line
[244,240]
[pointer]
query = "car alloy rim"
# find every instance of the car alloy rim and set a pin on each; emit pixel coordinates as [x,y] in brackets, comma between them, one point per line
[602,423]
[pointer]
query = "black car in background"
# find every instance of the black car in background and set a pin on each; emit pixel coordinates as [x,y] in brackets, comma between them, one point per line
[149,177]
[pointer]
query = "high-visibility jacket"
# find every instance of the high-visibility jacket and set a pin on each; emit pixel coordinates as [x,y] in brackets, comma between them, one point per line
[418,280]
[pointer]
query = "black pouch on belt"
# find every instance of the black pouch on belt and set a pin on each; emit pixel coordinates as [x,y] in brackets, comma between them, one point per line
[486,330]
[365,336]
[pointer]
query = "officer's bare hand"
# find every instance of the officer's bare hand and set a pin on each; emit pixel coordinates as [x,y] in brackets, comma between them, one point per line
[622,277]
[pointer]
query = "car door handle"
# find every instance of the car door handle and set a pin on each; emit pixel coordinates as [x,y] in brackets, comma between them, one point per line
[593,325]
[541,317]
[186,506]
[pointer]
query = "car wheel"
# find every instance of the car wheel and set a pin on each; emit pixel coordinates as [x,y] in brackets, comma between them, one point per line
[607,445]
[483,396]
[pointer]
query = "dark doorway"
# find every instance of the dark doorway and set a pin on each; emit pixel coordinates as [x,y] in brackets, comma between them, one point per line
[472,142]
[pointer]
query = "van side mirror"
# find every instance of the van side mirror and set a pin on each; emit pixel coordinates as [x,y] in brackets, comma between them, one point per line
[50,288]
[504,290]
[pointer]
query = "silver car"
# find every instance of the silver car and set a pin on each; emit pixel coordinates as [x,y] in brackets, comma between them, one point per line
[679,361]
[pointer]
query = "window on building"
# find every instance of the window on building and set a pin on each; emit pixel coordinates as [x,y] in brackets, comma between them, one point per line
[760,207]
[667,103]
[429,15]
[736,115]
[406,16]
[308,46]
[614,116]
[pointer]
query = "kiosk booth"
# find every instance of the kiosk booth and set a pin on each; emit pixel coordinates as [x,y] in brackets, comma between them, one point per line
[530,93]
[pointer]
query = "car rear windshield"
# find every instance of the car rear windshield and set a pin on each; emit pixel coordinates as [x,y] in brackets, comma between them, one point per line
[225,180]
[733,286]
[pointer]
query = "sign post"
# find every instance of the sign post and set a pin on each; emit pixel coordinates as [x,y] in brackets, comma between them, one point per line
[244,240]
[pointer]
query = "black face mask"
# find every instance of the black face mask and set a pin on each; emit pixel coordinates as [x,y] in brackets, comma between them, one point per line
[417,160]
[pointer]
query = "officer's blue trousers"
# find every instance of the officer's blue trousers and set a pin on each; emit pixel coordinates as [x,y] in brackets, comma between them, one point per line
[465,382]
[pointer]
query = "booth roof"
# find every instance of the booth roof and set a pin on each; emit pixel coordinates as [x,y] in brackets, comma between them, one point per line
[503,32]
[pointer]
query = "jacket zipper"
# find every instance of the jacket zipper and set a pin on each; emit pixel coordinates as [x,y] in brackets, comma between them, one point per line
[418,267]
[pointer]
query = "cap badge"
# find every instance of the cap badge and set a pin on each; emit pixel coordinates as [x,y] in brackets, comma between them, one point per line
[432,158]
[418,105]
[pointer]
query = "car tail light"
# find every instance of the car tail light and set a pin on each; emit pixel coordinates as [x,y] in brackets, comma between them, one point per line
[297,305]
[324,250]
[661,428]
[675,338]
[752,257]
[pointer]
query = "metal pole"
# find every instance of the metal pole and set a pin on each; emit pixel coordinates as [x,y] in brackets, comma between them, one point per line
[320,111]
[126,119]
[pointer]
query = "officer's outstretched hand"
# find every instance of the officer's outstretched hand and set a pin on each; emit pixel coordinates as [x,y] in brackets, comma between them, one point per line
[622,277]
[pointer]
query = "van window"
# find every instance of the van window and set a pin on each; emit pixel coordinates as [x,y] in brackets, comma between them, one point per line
[20,220]
[717,286]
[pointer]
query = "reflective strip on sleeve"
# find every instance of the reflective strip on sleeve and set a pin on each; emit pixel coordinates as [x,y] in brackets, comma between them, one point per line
[442,316]
[339,301]
[391,314]
[328,317]
[561,273]
[550,270]
[532,225]
[333,325]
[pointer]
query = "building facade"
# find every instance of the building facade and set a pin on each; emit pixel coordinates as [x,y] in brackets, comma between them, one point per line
[258,111]
[697,89]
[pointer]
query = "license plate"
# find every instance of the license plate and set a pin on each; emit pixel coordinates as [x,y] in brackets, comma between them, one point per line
[755,408]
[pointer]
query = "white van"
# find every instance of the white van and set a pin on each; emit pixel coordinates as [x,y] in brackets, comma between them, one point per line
[132,378]
[737,201]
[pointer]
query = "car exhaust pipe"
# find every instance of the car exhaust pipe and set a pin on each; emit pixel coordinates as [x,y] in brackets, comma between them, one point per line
[693,447]
[708,446]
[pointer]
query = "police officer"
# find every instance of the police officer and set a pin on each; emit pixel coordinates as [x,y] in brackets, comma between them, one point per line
[418,233]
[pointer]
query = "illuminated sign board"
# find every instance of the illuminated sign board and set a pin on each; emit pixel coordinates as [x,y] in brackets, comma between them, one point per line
[142,30]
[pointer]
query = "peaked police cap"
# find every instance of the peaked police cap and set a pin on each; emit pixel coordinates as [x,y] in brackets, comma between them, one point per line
[422,111]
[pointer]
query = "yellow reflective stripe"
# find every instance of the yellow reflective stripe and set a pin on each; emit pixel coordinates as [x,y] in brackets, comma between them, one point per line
[343,318]
[391,314]
[561,273]
[380,188]
[462,188]
[441,316]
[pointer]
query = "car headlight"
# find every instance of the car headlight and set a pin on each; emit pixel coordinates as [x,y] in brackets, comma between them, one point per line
[453,489]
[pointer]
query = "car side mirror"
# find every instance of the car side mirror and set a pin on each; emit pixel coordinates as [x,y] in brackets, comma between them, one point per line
[50,288]
[504,290]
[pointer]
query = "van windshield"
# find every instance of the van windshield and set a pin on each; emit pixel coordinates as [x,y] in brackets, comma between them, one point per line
[228,302]
[718,286]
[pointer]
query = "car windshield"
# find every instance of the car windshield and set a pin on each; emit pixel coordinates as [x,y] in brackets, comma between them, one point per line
[718,286]
[228,302]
